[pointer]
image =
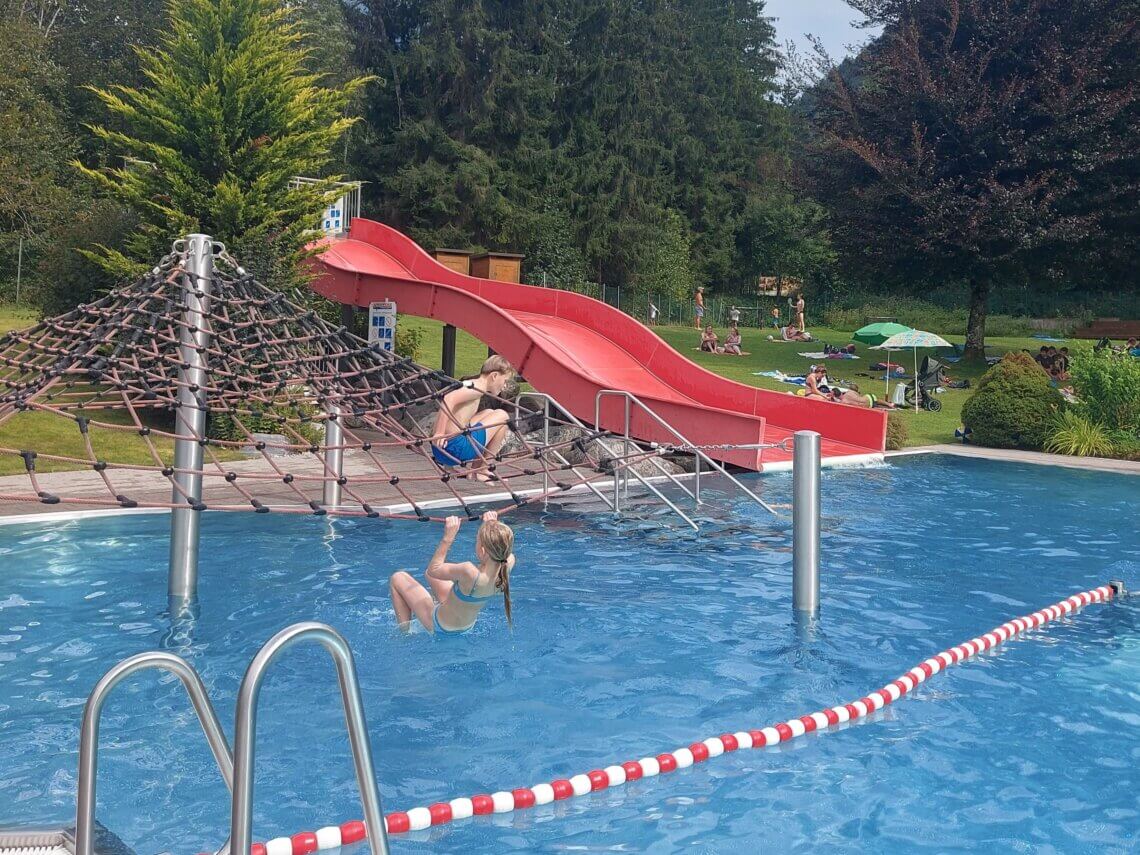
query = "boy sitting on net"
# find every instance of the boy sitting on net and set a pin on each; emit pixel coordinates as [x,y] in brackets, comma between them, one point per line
[464,433]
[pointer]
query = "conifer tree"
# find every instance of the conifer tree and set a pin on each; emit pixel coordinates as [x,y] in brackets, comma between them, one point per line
[228,115]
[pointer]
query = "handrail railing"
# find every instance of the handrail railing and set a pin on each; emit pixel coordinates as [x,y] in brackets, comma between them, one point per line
[245,732]
[682,442]
[547,401]
[89,734]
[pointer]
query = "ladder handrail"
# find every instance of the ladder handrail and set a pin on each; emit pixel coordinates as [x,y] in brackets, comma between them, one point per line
[547,400]
[697,452]
[89,733]
[245,732]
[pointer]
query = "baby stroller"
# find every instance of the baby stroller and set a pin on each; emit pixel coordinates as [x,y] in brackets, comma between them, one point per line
[931,375]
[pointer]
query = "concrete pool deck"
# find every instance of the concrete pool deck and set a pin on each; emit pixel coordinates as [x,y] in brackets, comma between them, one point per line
[1037,458]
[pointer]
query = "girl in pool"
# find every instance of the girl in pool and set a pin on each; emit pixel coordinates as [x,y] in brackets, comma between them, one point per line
[461,590]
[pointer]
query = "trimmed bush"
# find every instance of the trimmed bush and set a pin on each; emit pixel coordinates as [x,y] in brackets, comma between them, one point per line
[1014,406]
[896,432]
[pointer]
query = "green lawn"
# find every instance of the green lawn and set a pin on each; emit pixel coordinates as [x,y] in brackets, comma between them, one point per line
[470,353]
[923,428]
[13,318]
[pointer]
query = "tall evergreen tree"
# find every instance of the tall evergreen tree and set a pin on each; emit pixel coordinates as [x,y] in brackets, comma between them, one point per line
[228,116]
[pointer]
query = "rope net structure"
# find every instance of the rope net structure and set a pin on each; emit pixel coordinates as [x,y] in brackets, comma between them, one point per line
[115,369]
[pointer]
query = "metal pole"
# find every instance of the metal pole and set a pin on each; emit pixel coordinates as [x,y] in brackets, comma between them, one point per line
[805,522]
[190,417]
[334,457]
[447,363]
[545,446]
[245,732]
[19,268]
[89,733]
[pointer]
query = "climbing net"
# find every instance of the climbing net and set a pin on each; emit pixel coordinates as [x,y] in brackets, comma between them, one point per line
[113,379]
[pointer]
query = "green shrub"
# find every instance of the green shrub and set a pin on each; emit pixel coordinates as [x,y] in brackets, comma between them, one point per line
[896,432]
[1014,405]
[287,419]
[1072,433]
[1108,386]
[408,342]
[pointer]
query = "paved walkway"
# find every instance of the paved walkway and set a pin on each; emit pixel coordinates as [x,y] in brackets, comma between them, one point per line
[366,482]
[1096,464]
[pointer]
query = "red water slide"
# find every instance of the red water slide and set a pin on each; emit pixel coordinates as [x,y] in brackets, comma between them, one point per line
[572,346]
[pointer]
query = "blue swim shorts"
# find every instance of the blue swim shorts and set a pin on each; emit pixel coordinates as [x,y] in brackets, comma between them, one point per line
[460,449]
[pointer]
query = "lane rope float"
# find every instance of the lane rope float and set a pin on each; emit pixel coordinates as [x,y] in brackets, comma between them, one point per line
[505,801]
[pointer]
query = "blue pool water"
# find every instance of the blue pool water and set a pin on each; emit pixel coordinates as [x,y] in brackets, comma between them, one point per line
[629,639]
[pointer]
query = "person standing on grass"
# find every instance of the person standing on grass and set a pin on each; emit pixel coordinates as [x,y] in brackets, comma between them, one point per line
[800,310]
[699,311]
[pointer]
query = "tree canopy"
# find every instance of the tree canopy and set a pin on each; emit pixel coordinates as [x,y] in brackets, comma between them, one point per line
[980,141]
[227,117]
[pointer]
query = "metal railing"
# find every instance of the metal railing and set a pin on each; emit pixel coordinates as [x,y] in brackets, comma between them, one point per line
[683,444]
[245,732]
[89,734]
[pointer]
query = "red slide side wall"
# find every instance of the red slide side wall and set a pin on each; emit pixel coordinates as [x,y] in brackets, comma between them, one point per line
[377,262]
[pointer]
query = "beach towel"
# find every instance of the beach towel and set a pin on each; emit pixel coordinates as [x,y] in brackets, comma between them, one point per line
[822,355]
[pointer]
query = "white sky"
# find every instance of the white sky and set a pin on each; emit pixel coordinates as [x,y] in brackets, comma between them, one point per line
[831,20]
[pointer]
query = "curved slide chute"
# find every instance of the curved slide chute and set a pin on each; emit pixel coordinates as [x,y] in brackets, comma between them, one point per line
[572,346]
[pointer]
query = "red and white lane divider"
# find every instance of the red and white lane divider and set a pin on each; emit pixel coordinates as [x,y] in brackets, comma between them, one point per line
[505,801]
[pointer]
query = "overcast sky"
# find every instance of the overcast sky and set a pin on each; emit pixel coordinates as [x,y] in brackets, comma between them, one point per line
[831,20]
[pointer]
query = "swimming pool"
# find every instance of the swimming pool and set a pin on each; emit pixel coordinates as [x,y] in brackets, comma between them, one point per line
[629,639]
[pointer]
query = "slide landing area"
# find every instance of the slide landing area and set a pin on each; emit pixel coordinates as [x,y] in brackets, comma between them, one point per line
[571,346]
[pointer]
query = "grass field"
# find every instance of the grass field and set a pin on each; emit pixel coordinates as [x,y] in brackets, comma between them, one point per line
[923,428]
[13,318]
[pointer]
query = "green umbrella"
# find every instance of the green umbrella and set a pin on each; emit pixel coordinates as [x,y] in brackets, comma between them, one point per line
[878,333]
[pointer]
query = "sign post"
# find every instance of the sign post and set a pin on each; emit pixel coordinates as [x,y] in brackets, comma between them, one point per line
[382,324]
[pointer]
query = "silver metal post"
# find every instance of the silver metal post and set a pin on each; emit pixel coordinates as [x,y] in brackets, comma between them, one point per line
[89,733]
[625,453]
[245,732]
[190,417]
[545,437]
[334,456]
[19,268]
[805,521]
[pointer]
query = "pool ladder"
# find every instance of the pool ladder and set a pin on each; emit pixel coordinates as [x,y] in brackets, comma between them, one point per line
[237,766]
[622,475]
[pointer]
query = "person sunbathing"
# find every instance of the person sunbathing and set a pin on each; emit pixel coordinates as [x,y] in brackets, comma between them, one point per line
[793,333]
[854,398]
[709,340]
[815,383]
[732,342]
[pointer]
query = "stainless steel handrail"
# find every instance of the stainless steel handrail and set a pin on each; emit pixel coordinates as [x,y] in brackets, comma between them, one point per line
[547,401]
[89,733]
[245,732]
[697,452]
